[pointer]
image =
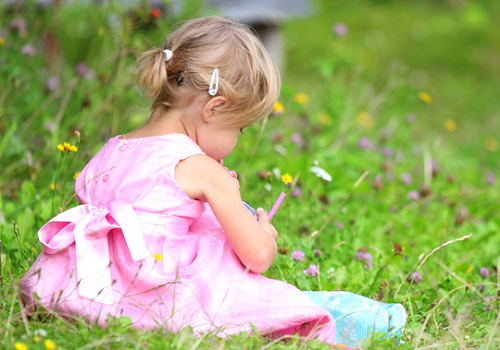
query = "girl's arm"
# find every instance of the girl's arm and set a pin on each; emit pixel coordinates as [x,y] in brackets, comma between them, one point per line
[254,241]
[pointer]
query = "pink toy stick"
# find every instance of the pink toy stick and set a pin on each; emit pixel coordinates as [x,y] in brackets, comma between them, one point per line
[276,205]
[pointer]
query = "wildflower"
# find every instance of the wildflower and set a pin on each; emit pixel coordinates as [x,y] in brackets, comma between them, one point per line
[406,179]
[413,195]
[364,143]
[490,178]
[301,98]
[469,269]
[18,24]
[2,40]
[377,182]
[28,50]
[387,152]
[411,118]
[339,225]
[278,108]
[416,277]
[450,125]
[491,144]
[365,119]
[81,68]
[481,287]
[20,346]
[297,255]
[312,270]
[67,147]
[76,175]
[287,179]
[484,272]
[297,192]
[49,344]
[53,83]
[425,97]
[317,252]
[366,258]
[340,29]
[325,119]
[297,139]
[158,257]
[52,186]
[320,172]
[155,13]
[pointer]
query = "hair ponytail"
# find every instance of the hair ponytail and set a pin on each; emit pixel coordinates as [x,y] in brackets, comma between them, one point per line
[152,76]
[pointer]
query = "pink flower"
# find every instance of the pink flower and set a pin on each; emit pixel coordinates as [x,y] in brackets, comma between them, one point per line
[484,272]
[297,192]
[297,255]
[406,179]
[18,24]
[413,195]
[317,253]
[53,83]
[28,50]
[312,270]
[416,277]
[490,178]
[364,143]
[365,257]
[340,29]
[297,139]
[81,68]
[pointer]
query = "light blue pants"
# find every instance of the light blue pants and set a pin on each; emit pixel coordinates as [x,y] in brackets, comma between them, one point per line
[358,317]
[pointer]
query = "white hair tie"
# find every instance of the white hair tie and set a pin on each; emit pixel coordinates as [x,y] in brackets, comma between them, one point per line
[168,54]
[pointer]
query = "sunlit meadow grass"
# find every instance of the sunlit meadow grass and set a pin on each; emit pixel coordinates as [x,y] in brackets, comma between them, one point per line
[392,196]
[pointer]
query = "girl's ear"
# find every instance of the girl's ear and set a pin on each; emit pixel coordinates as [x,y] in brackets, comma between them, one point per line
[212,108]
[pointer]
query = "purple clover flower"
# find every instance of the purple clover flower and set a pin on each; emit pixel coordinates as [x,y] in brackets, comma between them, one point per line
[490,178]
[297,192]
[484,272]
[340,29]
[28,50]
[411,118]
[317,252]
[387,152]
[297,255]
[312,270]
[365,257]
[297,139]
[18,24]
[413,195]
[364,143]
[339,225]
[53,83]
[416,276]
[481,287]
[406,179]
[81,68]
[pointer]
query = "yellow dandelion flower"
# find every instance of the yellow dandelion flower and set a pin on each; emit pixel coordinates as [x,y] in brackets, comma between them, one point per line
[37,339]
[450,125]
[325,119]
[52,186]
[67,147]
[76,175]
[157,256]
[491,144]
[2,40]
[278,108]
[49,344]
[425,97]
[365,119]
[301,98]
[287,179]
[20,346]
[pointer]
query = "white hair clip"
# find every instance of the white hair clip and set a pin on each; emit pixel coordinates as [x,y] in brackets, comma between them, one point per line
[168,54]
[212,90]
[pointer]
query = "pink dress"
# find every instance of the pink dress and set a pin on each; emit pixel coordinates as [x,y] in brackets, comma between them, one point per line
[138,246]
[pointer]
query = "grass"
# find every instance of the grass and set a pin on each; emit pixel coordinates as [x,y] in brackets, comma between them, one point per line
[419,195]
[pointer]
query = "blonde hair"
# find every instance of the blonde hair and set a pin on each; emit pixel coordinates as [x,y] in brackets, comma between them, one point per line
[248,78]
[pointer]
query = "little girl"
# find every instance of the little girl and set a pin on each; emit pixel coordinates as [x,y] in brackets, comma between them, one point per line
[161,234]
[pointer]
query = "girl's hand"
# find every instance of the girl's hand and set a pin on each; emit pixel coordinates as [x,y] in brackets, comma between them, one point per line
[266,225]
[233,173]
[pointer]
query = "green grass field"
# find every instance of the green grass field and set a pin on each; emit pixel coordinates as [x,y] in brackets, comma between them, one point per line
[403,112]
